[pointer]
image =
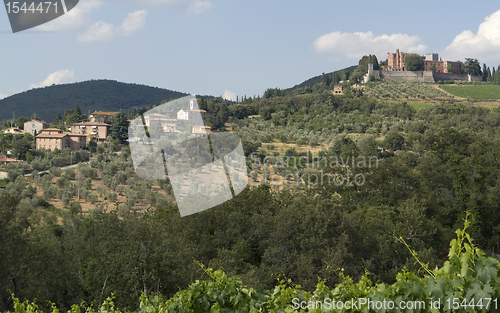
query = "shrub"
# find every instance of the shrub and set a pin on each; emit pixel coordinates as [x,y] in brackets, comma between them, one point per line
[13,174]
[313,142]
[112,196]
[49,192]
[61,182]
[75,207]
[55,171]
[91,197]
[69,174]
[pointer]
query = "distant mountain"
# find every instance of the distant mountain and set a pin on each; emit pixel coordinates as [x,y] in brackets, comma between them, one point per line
[93,95]
[317,79]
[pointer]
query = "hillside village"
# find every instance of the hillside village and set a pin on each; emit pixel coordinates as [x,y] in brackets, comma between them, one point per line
[81,135]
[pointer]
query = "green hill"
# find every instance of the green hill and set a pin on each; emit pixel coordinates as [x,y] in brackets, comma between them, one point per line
[317,79]
[93,95]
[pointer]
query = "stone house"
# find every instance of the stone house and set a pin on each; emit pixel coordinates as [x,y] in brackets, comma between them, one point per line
[54,138]
[35,126]
[14,131]
[338,90]
[92,130]
[101,117]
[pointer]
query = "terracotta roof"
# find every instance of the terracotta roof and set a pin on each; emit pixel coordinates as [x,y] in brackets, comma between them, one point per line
[57,135]
[90,124]
[16,129]
[104,113]
[202,111]
[43,122]
[8,160]
[154,114]
[51,129]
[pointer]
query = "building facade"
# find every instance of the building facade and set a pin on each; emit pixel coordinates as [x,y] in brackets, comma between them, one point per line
[54,138]
[156,119]
[35,126]
[201,131]
[431,57]
[442,66]
[395,61]
[194,115]
[338,90]
[101,117]
[92,130]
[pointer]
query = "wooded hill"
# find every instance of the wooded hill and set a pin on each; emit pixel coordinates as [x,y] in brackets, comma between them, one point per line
[317,79]
[101,95]
[93,95]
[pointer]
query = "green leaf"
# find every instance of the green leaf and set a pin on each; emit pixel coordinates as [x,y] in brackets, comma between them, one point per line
[475,291]
[486,270]
[436,287]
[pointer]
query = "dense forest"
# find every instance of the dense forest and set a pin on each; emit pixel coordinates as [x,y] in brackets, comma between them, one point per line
[93,95]
[467,282]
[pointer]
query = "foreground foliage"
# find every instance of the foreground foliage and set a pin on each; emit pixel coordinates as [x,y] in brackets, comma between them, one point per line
[468,282]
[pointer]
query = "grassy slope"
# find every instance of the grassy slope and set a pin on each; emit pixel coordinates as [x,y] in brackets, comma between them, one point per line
[478,92]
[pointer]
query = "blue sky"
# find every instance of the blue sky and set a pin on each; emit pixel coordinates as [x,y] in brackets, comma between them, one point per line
[222,47]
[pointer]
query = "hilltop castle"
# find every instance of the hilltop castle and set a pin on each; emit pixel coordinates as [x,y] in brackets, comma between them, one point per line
[434,70]
[395,62]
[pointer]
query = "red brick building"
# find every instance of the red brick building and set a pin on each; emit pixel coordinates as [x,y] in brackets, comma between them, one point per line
[442,66]
[395,61]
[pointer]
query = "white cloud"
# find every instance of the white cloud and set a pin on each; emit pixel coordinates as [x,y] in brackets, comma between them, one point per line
[484,45]
[355,45]
[2,95]
[102,31]
[133,22]
[229,95]
[75,19]
[199,6]
[58,77]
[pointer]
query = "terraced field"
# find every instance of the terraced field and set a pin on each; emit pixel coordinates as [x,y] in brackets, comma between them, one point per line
[406,90]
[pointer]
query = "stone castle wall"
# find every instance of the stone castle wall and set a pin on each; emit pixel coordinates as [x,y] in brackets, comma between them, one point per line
[423,76]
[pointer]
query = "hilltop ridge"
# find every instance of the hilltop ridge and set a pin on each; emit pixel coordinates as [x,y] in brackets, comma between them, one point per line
[92,95]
